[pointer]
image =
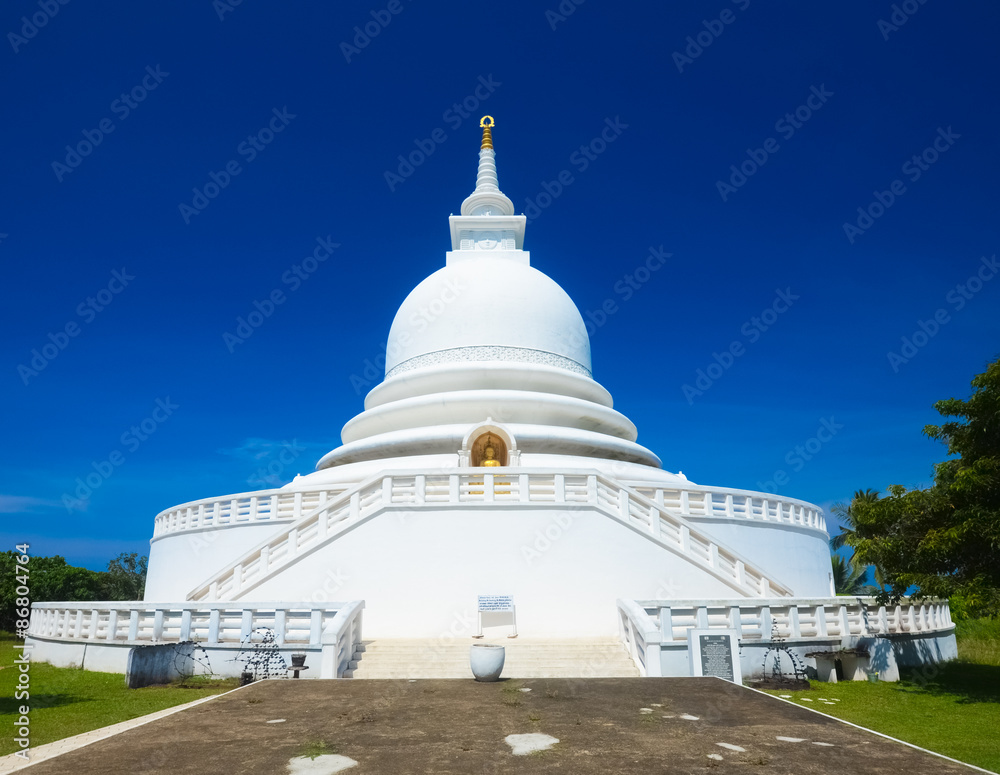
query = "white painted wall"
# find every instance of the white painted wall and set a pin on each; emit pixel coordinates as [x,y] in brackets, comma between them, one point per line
[420,572]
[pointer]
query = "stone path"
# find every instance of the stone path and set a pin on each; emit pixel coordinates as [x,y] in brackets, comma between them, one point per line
[599,726]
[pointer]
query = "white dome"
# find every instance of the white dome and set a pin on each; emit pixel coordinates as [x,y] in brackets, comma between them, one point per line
[488,308]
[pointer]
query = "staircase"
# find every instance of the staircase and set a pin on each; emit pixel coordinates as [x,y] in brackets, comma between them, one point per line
[525,658]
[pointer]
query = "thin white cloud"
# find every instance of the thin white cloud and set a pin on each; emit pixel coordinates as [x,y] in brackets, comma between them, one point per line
[18,504]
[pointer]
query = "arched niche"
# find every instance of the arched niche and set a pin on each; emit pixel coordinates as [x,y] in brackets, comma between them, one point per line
[500,438]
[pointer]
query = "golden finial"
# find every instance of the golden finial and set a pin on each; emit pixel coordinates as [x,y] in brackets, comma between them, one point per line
[487,135]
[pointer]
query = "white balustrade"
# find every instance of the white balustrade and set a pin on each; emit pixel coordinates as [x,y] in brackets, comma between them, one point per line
[244,508]
[700,501]
[207,623]
[835,617]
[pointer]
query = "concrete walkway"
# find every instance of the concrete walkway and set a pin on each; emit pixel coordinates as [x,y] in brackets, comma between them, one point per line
[13,762]
[598,726]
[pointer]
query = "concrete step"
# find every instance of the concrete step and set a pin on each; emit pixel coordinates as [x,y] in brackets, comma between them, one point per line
[524,658]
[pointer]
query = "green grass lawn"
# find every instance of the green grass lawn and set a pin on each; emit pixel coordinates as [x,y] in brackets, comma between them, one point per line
[952,709]
[66,702]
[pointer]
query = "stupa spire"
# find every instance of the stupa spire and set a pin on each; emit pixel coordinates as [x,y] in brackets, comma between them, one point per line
[487,199]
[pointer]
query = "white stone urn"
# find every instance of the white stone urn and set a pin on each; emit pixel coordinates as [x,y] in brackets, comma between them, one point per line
[486,661]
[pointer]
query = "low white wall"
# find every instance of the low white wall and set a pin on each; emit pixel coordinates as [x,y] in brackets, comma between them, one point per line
[113,657]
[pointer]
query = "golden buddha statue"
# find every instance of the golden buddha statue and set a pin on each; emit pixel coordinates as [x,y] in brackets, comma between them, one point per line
[490,456]
[489,460]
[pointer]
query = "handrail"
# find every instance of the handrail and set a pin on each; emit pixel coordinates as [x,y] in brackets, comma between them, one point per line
[703,501]
[241,508]
[698,501]
[340,639]
[171,622]
[563,489]
[833,617]
[640,636]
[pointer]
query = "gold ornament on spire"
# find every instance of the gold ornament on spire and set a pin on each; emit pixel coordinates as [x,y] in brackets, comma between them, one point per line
[486,122]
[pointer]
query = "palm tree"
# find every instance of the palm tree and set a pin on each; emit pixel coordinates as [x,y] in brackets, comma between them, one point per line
[848,579]
[846,512]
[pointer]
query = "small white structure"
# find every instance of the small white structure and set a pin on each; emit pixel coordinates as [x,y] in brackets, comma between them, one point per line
[488,460]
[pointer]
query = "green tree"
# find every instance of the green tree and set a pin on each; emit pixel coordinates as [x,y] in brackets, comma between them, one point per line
[53,579]
[944,540]
[125,578]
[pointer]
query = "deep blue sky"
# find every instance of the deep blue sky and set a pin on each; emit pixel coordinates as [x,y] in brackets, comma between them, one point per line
[552,90]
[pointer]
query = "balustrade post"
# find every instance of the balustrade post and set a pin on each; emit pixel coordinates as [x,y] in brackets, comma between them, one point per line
[133,624]
[821,630]
[185,633]
[729,505]
[265,558]
[685,502]
[701,617]
[523,488]
[315,626]
[454,488]
[78,623]
[280,626]
[883,620]
[252,513]
[655,525]
[95,621]
[623,505]
[157,624]
[112,633]
[766,622]
[386,490]
[736,620]
[713,554]
[559,490]
[213,625]
[844,621]
[685,539]
[794,623]
[488,488]
[591,488]
[246,624]
[420,489]
[238,577]
[355,505]
[666,623]
[741,573]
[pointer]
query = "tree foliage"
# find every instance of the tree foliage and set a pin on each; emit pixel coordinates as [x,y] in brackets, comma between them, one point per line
[53,579]
[848,578]
[944,540]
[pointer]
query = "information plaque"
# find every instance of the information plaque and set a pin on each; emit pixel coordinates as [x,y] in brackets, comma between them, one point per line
[496,603]
[496,611]
[715,653]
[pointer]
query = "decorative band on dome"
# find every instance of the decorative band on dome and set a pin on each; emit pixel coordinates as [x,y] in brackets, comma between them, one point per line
[489,353]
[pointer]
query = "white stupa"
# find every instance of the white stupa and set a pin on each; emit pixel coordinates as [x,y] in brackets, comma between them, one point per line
[489,482]
[489,462]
